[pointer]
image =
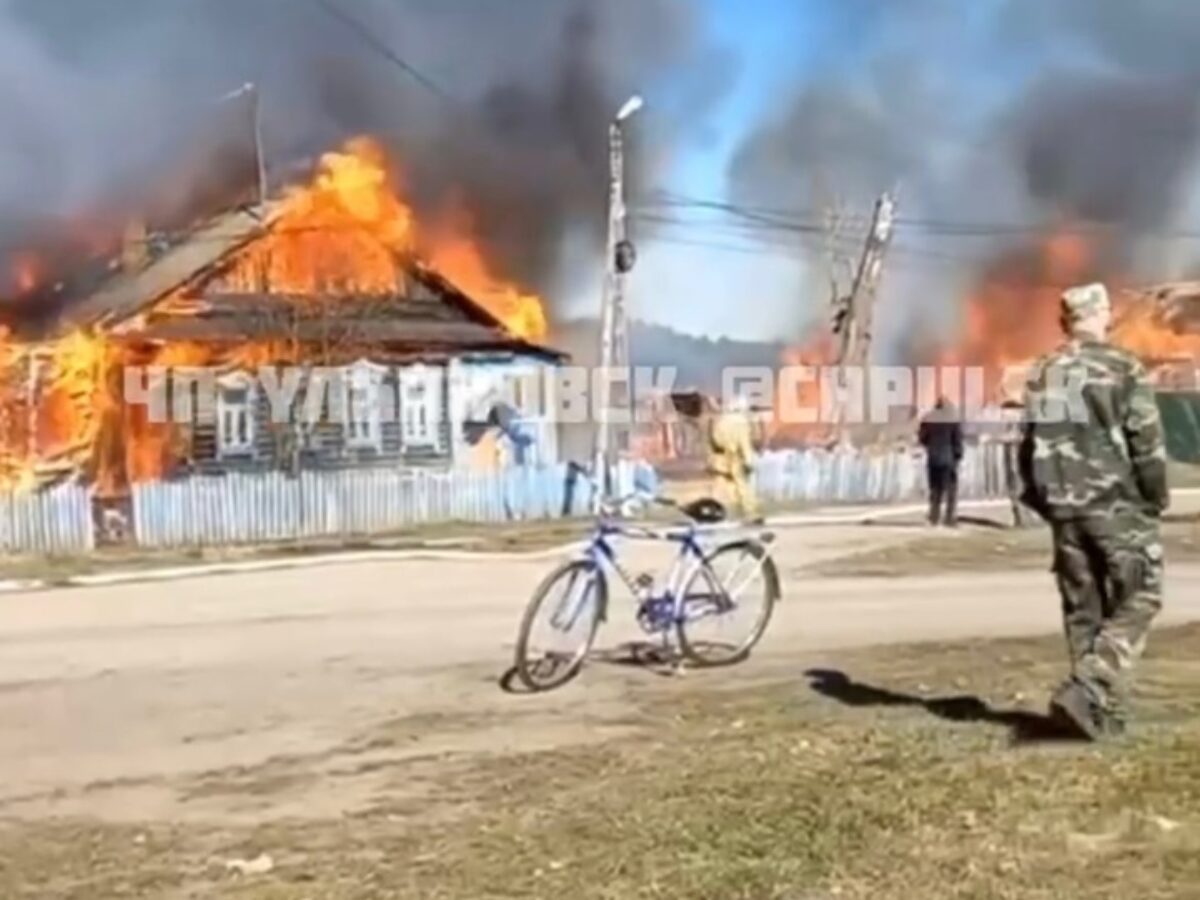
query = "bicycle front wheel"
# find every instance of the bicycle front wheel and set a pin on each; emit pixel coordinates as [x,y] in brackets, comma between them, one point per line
[727,604]
[560,625]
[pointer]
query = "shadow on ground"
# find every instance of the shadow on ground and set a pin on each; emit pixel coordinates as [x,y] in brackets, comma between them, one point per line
[1024,727]
[644,655]
[650,656]
[965,522]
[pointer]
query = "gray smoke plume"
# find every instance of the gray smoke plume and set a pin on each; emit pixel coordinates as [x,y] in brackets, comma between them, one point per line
[1011,114]
[1110,151]
[98,96]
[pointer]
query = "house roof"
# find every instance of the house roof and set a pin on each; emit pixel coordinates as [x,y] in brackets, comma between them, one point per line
[128,292]
[342,324]
[1178,302]
[431,311]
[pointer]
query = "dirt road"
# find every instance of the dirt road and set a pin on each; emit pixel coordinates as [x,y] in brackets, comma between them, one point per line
[294,693]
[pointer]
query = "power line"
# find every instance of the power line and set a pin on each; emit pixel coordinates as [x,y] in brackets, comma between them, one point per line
[367,36]
[744,249]
[804,220]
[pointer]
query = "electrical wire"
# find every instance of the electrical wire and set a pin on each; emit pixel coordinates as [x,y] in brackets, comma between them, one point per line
[799,219]
[367,36]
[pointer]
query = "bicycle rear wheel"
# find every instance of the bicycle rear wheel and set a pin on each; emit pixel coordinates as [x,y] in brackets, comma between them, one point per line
[727,604]
[560,625]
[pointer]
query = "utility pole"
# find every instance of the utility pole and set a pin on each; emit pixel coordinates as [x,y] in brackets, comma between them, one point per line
[854,315]
[252,90]
[614,325]
[855,327]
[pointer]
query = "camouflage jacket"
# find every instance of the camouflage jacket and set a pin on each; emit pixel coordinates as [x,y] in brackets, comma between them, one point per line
[1092,440]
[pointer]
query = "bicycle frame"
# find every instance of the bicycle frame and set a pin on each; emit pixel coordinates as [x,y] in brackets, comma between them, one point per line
[690,559]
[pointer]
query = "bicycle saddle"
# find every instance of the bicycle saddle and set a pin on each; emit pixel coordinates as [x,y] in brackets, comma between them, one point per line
[706,511]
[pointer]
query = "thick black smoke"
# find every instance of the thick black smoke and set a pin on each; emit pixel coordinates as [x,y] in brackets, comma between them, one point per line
[1006,113]
[1104,128]
[849,139]
[1114,152]
[95,96]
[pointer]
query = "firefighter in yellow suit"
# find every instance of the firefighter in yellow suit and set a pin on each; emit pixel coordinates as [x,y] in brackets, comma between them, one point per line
[731,439]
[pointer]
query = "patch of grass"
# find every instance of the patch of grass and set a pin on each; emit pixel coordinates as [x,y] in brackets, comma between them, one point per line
[463,536]
[983,550]
[783,791]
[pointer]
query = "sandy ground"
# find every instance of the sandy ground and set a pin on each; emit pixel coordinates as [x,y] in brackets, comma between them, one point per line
[305,692]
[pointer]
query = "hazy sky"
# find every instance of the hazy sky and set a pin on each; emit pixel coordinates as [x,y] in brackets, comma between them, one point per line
[995,119]
[980,111]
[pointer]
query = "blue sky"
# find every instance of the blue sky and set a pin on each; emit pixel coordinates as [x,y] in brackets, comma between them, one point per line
[706,290]
[781,44]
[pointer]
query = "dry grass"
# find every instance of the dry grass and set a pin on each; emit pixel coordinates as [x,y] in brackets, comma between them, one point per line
[982,549]
[480,538]
[895,777]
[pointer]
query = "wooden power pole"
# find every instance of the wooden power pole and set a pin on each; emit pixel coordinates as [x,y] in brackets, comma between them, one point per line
[854,314]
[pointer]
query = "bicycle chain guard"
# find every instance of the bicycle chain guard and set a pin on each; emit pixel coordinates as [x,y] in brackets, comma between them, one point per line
[656,614]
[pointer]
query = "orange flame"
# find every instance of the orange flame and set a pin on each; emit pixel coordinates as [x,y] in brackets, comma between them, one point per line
[343,234]
[349,232]
[793,395]
[1141,330]
[456,254]
[1013,317]
[28,271]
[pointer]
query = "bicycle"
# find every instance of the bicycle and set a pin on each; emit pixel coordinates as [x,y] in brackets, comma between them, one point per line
[693,591]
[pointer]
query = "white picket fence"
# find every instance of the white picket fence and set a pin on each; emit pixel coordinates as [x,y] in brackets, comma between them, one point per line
[260,508]
[864,476]
[55,522]
[268,507]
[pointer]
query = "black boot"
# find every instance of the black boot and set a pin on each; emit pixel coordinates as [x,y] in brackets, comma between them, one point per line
[1078,708]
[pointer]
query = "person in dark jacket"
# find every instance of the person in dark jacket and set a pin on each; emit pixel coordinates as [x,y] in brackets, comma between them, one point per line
[942,437]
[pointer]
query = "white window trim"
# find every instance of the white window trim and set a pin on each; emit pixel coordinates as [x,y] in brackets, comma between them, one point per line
[227,447]
[425,434]
[363,376]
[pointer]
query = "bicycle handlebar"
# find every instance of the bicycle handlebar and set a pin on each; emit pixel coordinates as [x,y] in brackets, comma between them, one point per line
[609,507]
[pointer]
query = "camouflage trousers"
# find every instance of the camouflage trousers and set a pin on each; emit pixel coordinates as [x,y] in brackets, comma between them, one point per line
[1110,575]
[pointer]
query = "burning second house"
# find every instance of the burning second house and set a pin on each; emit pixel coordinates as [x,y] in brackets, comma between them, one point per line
[335,275]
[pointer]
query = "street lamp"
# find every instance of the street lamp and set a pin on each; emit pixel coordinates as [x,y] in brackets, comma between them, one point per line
[619,260]
[632,105]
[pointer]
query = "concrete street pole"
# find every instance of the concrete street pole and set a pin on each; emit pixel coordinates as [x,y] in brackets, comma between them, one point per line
[614,328]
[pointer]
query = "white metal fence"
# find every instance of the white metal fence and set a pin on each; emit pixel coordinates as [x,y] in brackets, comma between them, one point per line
[55,522]
[863,476]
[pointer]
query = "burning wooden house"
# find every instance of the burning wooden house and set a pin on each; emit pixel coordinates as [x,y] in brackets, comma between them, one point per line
[1162,324]
[331,276]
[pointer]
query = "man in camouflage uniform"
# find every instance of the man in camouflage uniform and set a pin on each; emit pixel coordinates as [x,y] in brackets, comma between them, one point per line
[1093,465]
